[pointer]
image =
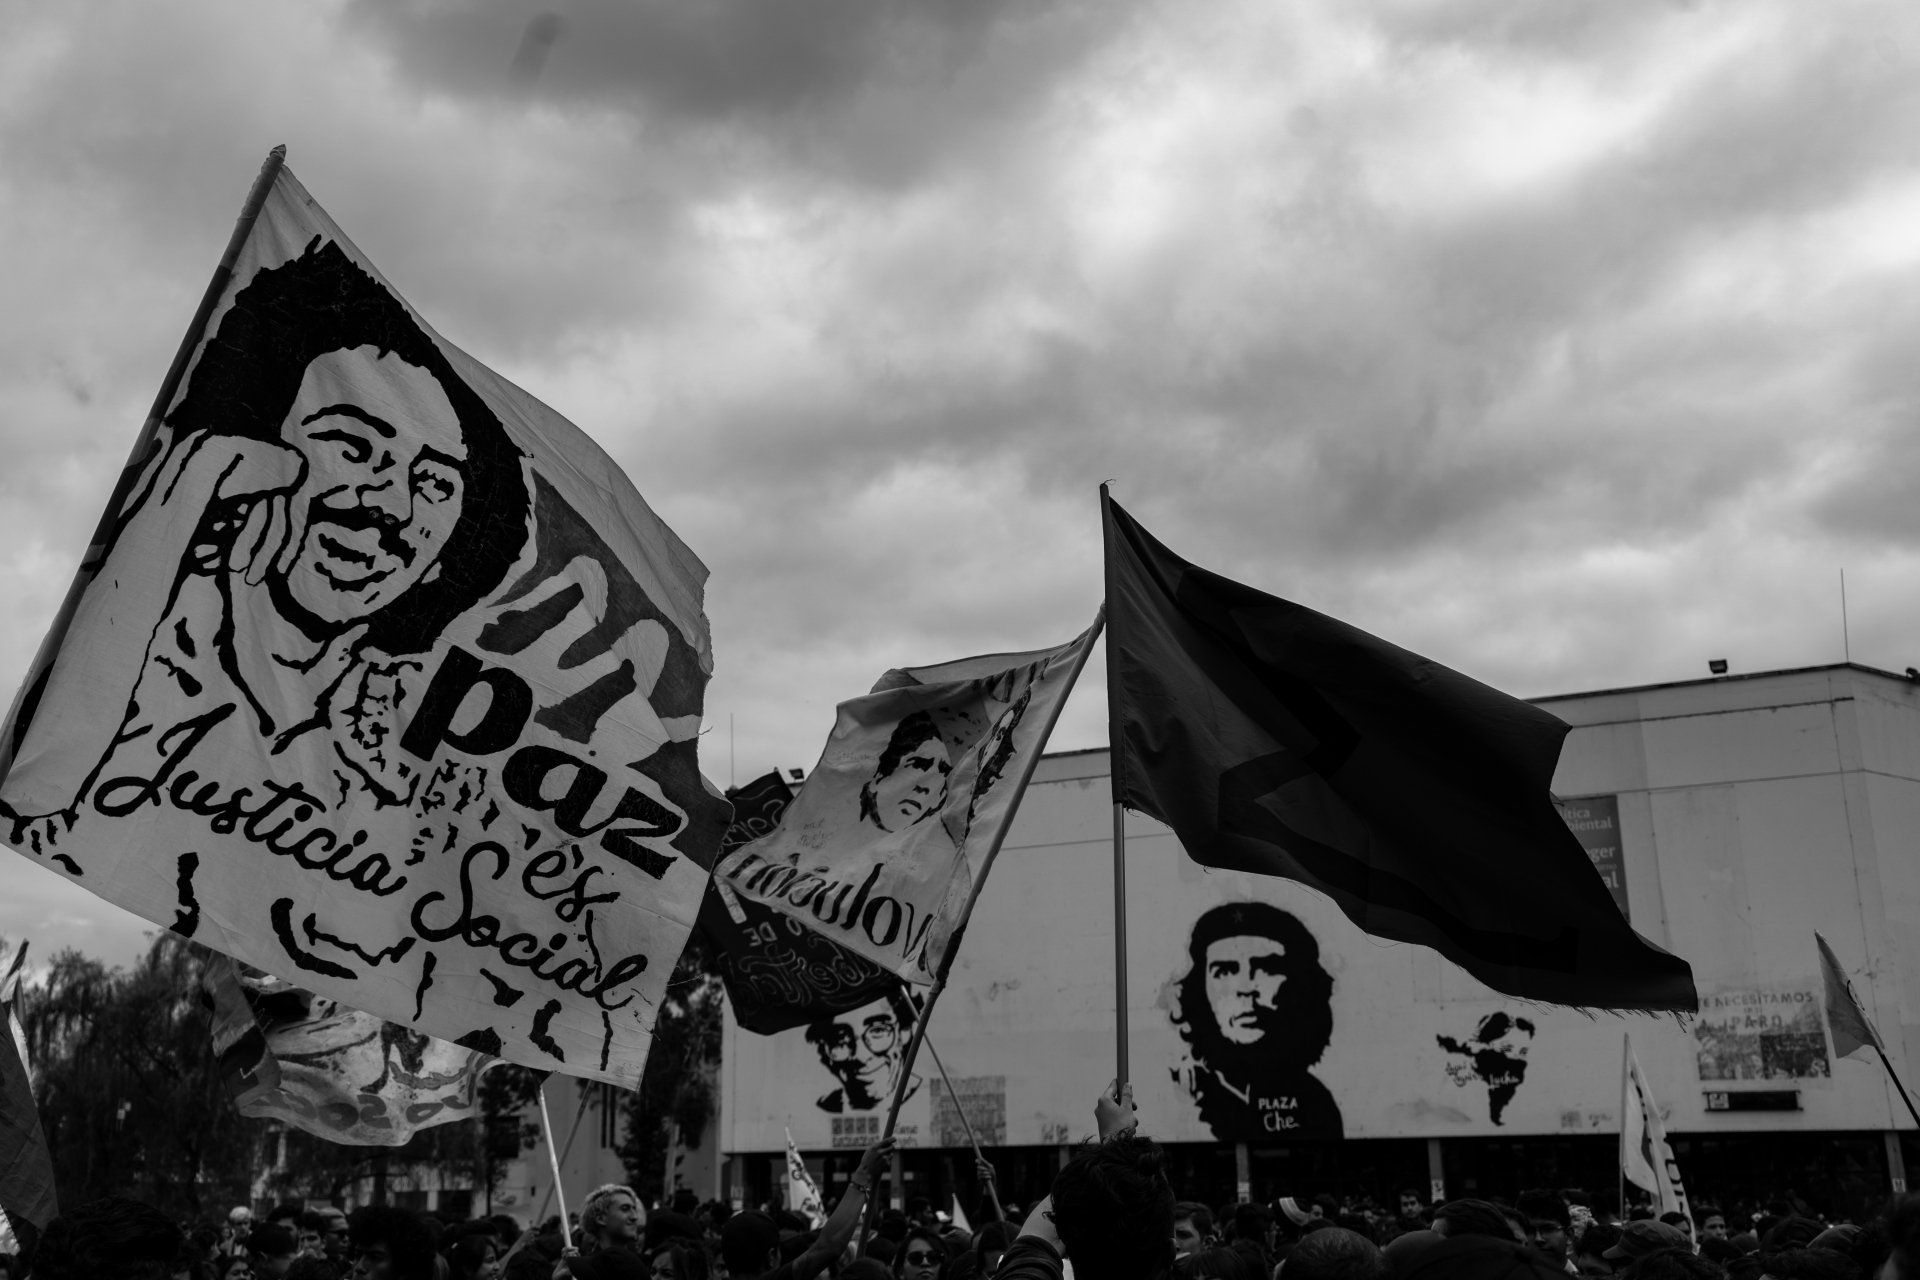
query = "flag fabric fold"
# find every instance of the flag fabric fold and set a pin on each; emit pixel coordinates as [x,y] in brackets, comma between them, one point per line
[803,1194]
[1646,1159]
[1276,740]
[1848,1022]
[381,675]
[336,1073]
[778,974]
[896,826]
[27,1199]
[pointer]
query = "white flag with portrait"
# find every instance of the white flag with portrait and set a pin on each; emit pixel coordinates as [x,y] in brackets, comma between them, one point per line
[381,677]
[882,848]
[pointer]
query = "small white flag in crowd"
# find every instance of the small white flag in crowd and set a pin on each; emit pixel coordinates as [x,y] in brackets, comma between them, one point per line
[803,1194]
[379,674]
[1645,1158]
[897,824]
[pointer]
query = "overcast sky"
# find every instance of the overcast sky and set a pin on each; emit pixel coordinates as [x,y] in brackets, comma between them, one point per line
[1569,344]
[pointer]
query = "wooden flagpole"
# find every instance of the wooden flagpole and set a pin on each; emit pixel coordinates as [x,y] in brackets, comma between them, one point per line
[553,1161]
[579,1114]
[973,895]
[992,1191]
[25,701]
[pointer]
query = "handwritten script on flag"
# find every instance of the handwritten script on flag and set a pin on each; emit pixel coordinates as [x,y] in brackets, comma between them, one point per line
[383,678]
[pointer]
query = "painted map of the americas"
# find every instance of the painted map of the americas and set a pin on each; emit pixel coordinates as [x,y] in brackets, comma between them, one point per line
[1495,1055]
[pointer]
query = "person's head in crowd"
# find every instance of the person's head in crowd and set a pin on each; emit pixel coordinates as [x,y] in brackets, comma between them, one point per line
[389,1243]
[1678,1221]
[990,1242]
[472,1252]
[228,1266]
[1713,1225]
[114,1237]
[271,1249]
[678,1259]
[1590,1254]
[1335,1253]
[1253,1224]
[322,1268]
[1323,1206]
[867,1268]
[608,1264]
[611,1217]
[1677,1263]
[335,1240]
[1192,1227]
[922,1256]
[1642,1237]
[668,1225]
[1219,1262]
[920,1211]
[1791,1232]
[883,1249]
[749,1245]
[239,1222]
[1113,1210]
[1405,1250]
[310,1234]
[1473,1218]
[1809,1264]
[1413,1208]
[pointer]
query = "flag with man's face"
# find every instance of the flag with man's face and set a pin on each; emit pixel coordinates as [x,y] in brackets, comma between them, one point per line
[891,832]
[1277,740]
[381,676]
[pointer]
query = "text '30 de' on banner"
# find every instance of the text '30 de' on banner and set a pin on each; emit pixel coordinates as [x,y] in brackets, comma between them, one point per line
[381,677]
[1277,740]
[893,830]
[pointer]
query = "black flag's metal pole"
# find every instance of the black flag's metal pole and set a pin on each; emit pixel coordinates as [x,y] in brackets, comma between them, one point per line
[25,701]
[1119,950]
[973,895]
[992,1191]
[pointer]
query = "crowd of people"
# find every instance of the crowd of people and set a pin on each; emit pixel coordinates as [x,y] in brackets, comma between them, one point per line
[1111,1214]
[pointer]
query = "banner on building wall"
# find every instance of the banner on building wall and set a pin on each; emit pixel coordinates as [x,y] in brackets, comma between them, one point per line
[1595,823]
[1761,1033]
[382,676]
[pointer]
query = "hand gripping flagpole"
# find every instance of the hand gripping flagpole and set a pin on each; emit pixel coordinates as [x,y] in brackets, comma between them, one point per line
[967,1124]
[973,895]
[21,715]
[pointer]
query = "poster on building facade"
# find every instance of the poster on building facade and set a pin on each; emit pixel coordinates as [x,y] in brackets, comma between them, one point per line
[1762,1033]
[1595,823]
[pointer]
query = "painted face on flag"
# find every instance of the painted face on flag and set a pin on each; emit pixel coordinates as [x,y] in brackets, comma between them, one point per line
[384,485]
[909,784]
[1244,975]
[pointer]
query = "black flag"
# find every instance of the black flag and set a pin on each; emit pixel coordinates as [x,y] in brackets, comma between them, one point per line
[1277,740]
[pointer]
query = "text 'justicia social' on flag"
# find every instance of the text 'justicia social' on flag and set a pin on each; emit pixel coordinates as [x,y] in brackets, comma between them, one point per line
[896,825]
[383,677]
[1276,740]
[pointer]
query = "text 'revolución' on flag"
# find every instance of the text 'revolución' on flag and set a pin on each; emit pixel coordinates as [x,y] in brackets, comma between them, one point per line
[1277,740]
[381,677]
[898,822]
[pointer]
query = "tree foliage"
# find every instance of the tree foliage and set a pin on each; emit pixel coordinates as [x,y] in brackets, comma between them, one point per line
[677,1088]
[133,1102]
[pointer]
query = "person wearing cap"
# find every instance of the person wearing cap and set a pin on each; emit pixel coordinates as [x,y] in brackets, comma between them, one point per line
[750,1242]
[1644,1236]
